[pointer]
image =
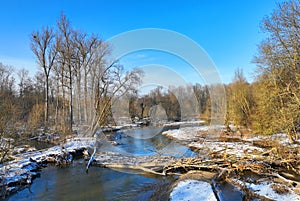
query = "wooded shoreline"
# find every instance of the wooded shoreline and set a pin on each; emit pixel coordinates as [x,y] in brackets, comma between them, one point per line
[231,159]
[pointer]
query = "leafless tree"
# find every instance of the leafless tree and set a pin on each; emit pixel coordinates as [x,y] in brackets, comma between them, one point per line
[43,46]
[86,52]
[278,70]
[67,57]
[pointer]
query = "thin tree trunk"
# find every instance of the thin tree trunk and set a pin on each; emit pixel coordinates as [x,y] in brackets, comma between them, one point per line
[63,98]
[85,99]
[70,99]
[57,103]
[79,115]
[46,101]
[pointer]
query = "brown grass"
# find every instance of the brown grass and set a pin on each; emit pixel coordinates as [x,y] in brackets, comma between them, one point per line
[280,189]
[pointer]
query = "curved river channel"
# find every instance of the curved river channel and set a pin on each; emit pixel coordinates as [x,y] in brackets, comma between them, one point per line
[72,182]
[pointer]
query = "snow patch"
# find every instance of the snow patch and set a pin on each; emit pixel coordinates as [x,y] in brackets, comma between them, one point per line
[184,123]
[190,190]
[265,189]
[198,137]
[238,149]
[78,143]
[193,133]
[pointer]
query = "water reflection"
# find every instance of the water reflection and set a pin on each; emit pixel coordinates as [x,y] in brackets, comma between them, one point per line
[149,141]
[72,183]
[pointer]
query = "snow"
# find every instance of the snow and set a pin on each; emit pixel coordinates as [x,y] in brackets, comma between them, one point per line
[186,133]
[185,123]
[281,138]
[190,190]
[194,133]
[78,143]
[197,137]
[26,165]
[238,149]
[265,189]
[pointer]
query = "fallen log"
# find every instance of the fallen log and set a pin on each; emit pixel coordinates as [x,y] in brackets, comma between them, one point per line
[134,167]
[90,161]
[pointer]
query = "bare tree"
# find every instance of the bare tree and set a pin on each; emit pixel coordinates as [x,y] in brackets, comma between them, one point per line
[8,110]
[42,45]
[65,47]
[112,82]
[86,48]
[26,94]
[240,101]
[278,72]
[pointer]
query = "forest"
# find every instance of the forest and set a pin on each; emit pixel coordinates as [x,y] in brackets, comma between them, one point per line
[78,82]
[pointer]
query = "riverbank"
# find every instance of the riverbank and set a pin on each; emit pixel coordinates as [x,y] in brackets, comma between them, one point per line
[247,167]
[25,167]
[258,167]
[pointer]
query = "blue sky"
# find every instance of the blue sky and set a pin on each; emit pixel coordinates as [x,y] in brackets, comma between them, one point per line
[227,30]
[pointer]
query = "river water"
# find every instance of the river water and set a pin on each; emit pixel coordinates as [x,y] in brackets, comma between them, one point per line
[72,182]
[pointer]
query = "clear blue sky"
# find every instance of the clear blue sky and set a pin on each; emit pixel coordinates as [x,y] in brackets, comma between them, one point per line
[228,30]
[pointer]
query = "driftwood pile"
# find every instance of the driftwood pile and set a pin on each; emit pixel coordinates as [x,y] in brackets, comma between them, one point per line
[277,164]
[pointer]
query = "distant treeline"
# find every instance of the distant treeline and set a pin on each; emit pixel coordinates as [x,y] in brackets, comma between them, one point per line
[79,82]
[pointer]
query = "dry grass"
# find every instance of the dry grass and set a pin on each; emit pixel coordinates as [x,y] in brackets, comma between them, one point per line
[280,189]
[266,143]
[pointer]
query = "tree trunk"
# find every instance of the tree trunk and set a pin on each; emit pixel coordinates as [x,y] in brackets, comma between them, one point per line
[46,101]
[292,136]
[57,103]
[85,107]
[70,100]
[79,116]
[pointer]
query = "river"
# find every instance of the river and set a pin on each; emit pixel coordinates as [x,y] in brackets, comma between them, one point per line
[72,182]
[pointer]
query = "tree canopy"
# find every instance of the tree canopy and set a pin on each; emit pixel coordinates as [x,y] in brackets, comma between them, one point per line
[278,72]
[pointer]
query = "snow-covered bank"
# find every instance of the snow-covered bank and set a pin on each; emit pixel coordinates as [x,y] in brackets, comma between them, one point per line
[202,139]
[21,171]
[186,134]
[194,133]
[184,123]
[265,166]
[270,190]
